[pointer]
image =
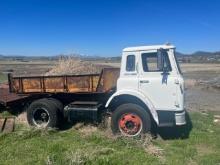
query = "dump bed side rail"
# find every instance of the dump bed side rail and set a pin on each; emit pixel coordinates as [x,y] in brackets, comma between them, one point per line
[7,98]
[102,82]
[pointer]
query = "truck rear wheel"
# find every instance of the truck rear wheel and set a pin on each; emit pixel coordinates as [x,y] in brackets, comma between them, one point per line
[57,103]
[130,120]
[42,113]
[59,106]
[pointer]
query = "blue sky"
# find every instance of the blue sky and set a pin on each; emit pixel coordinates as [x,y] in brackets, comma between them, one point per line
[101,27]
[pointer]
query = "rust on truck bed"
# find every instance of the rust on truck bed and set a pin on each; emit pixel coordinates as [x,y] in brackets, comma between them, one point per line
[7,97]
[103,82]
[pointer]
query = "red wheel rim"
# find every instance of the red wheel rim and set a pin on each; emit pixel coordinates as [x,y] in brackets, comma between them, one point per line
[130,124]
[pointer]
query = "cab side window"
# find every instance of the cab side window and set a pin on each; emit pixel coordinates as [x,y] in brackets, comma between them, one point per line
[130,63]
[152,62]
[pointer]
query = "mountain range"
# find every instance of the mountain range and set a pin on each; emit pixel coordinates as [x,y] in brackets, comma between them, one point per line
[179,54]
[199,53]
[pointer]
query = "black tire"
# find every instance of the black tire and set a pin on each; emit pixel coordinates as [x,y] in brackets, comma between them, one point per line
[60,108]
[132,109]
[57,103]
[38,107]
[2,108]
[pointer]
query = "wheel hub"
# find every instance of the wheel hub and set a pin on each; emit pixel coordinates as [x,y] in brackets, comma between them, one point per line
[130,124]
[41,117]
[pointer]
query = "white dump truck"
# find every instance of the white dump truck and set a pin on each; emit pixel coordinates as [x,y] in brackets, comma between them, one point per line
[147,90]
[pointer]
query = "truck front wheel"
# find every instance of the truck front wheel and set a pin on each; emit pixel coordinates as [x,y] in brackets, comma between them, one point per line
[42,113]
[130,120]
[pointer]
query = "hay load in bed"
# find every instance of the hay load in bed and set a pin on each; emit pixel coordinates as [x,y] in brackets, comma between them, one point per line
[74,66]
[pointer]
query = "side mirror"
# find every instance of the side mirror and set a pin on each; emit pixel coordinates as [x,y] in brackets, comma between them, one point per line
[160,59]
[166,66]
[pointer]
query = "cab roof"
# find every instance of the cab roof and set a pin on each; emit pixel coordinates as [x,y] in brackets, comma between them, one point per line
[152,47]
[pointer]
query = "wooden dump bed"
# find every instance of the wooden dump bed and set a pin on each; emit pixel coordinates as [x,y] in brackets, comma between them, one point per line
[102,82]
[6,97]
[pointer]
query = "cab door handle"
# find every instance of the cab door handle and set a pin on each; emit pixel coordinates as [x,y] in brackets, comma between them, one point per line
[144,81]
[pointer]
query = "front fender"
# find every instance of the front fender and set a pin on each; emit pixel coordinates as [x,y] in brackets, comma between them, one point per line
[140,96]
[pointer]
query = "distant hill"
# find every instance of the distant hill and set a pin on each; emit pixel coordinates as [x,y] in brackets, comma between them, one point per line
[1,56]
[180,54]
[202,53]
[199,53]
[199,56]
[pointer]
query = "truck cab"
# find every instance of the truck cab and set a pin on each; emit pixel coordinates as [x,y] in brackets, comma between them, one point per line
[150,77]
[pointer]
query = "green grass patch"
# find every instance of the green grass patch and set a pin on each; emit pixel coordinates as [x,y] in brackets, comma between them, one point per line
[32,146]
[5,113]
[3,78]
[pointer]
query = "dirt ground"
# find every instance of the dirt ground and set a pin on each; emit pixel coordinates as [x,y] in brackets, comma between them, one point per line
[202,99]
[26,68]
[202,87]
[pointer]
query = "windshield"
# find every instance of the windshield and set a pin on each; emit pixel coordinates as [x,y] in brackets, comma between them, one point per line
[177,63]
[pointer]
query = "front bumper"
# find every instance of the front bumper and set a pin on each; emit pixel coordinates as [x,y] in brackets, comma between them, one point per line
[180,118]
[169,118]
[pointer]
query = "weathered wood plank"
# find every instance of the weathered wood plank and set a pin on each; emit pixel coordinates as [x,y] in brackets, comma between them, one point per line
[9,125]
[2,122]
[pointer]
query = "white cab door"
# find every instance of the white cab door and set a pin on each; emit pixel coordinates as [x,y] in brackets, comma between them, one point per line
[128,76]
[158,85]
